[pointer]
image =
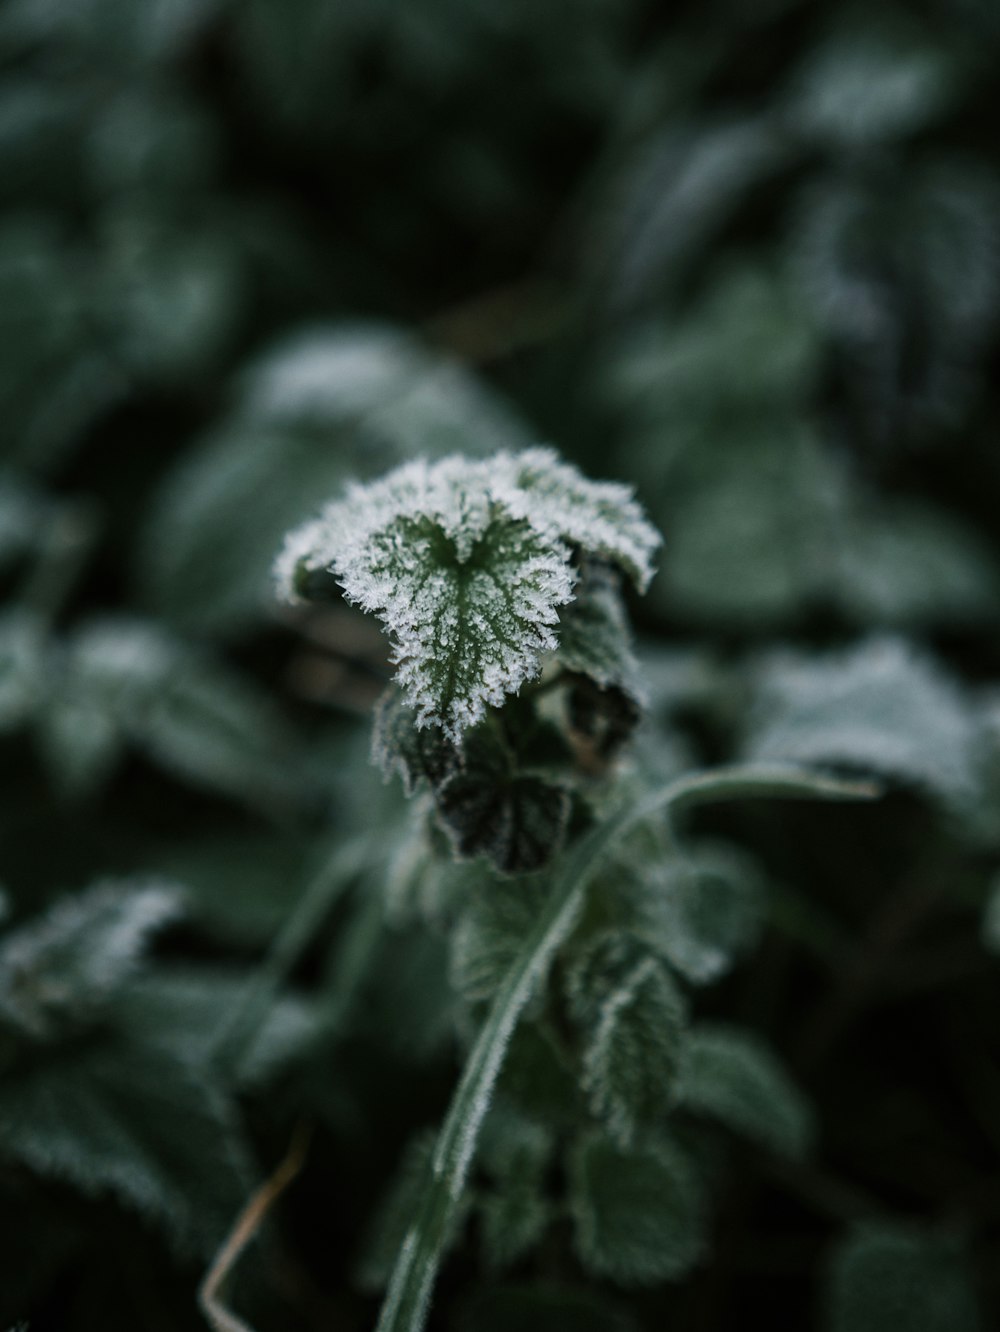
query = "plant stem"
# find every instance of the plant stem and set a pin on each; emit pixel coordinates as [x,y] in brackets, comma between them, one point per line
[408,1297]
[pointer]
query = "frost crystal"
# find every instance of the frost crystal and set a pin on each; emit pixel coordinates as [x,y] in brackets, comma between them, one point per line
[467,563]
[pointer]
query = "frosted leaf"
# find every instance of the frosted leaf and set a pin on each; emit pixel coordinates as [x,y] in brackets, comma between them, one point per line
[467,563]
[60,968]
[638,1214]
[600,517]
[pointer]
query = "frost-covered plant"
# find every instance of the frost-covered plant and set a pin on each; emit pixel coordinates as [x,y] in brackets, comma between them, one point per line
[467,564]
[487,575]
[499,582]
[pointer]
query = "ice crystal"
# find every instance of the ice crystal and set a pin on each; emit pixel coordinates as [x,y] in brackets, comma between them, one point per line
[467,564]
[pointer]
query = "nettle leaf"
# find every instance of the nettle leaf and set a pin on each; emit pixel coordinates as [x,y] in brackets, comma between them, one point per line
[910,564]
[892,1275]
[705,910]
[871,83]
[634,1022]
[496,919]
[23,661]
[538,1077]
[513,1220]
[183,1011]
[486,804]
[638,1214]
[125,681]
[467,565]
[113,1117]
[881,707]
[414,753]
[731,1076]
[488,807]
[60,971]
[25,514]
[595,645]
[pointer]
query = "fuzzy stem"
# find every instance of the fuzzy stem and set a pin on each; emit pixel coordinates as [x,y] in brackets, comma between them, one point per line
[408,1297]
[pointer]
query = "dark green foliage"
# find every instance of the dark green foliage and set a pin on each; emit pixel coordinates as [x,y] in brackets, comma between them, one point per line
[632,1021]
[638,1213]
[885,1275]
[732,1077]
[743,258]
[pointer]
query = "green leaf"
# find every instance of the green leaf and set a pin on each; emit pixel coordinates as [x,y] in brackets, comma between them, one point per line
[321,407]
[181,1011]
[634,1023]
[513,1219]
[886,1275]
[638,1214]
[23,663]
[53,381]
[126,681]
[59,972]
[25,514]
[594,635]
[400,747]
[871,82]
[705,910]
[908,564]
[172,298]
[595,644]
[881,707]
[488,808]
[111,1117]
[467,563]
[496,919]
[539,1078]
[731,1076]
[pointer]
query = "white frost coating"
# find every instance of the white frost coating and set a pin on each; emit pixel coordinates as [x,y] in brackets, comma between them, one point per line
[467,563]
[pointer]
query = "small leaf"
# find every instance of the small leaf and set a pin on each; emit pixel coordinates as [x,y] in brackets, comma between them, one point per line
[60,971]
[496,920]
[126,681]
[595,644]
[400,747]
[183,1010]
[538,1079]
[594,635]
[113,1117]
[513,1219]
[870,84]
[880,707]
[886,1275]
[638,1215]
[705,910]
[490,808]
[23,663]
[733,1077]
[634,1032]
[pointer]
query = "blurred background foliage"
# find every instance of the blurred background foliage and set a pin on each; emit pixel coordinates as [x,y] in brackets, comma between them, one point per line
[745,256]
